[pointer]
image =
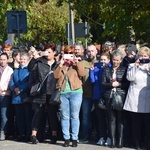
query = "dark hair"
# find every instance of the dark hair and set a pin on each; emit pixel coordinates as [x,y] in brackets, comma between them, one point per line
[15,53]
[51,46]
[4,54]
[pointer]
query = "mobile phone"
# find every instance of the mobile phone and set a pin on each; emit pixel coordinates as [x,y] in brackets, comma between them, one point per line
[98,64]
[45,53]
[142,61]
[68,56]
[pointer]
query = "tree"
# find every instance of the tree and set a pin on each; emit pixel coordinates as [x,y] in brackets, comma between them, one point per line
[114,20]
[46,22]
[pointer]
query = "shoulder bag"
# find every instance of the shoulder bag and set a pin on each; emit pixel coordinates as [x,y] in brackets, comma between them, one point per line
[36,88]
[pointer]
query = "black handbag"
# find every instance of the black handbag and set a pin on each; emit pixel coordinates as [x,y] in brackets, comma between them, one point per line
[55,97]
[36,88]
[116,101]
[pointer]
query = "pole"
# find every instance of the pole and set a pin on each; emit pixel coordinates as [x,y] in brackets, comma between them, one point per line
[72,24]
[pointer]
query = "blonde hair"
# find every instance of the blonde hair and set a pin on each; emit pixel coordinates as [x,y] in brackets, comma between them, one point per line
[144,49]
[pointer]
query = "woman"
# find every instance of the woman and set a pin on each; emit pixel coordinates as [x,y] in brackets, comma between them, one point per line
[42,67]
[69,73]
[20,92]
[95,75]
[114,78]
[5,98]
[138,97]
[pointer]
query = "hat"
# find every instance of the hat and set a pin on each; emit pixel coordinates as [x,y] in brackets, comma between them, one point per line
[108,43]
[9,41]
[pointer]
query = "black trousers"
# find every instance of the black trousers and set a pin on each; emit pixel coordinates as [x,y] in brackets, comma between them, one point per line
[116,124]
[140,120]
[39,111]
[102,120]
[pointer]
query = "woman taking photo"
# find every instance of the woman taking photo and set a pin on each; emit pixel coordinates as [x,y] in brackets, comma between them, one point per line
[138,98]
[69,73]
[95,75]
[42,67]
[114,79]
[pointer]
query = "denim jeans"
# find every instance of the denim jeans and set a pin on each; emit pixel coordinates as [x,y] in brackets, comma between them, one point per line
[4,103]
[69,109]
[86,108]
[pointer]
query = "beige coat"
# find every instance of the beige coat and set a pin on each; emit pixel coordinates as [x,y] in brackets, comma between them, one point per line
[138,96]
[74,75]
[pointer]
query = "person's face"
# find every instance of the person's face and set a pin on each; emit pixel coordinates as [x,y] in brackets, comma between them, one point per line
[7,51]
[116,60]
[17,58]
[105,60]
[92,51]
[143,55]
[24,60]
[51,54]
[3,60]
[78,51]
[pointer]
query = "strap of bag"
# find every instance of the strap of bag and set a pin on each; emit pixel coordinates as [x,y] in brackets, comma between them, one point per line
[44,78]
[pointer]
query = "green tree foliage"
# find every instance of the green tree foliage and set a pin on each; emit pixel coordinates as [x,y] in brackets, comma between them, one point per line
[115,19]
[46,22]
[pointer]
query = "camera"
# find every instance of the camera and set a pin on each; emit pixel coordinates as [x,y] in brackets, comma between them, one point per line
[68,56]
[142,61]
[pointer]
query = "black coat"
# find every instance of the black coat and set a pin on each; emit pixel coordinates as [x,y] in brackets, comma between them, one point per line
[39,69]
[120,77]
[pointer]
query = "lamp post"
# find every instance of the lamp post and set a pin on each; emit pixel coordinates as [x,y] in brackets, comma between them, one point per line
[72,39]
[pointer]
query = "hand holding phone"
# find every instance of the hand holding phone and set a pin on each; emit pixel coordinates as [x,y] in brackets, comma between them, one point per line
[98,64]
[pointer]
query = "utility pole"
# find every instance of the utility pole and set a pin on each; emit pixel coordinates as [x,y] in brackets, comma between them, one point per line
[72,39]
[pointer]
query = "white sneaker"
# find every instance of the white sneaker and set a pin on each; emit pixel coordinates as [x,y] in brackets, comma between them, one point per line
[108,142]
[101,141]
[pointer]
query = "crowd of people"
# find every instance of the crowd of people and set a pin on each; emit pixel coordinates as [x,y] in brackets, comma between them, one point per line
[86,78]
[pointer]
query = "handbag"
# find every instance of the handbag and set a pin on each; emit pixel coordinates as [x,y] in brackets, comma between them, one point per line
[55,97]
[101,103]
[36,88]
[116,101]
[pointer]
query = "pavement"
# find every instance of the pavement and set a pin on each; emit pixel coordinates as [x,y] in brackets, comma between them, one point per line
[13,145]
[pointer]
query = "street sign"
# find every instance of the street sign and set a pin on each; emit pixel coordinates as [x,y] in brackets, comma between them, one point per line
[16,22]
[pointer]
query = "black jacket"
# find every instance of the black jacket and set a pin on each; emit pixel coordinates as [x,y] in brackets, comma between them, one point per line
[39,69]
[120,77]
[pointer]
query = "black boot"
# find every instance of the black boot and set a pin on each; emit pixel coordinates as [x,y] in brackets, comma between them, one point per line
[66,143]
[120,132]
[112,132]
[74,143]
[113,143]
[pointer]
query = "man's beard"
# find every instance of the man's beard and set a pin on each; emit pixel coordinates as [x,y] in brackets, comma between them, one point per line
[90,57]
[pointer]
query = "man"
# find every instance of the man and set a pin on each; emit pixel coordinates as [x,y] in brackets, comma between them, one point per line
[79,51]
[87,102]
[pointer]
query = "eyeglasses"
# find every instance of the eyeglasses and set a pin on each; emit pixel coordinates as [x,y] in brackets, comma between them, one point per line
[68,53]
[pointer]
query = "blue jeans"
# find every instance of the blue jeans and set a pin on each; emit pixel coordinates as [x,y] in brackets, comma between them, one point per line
[86,108]
[70,108]
[4,103]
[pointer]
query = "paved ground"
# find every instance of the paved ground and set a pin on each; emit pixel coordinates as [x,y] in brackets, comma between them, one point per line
[13,145]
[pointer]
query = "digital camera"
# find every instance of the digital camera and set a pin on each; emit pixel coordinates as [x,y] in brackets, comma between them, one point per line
[68,56]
